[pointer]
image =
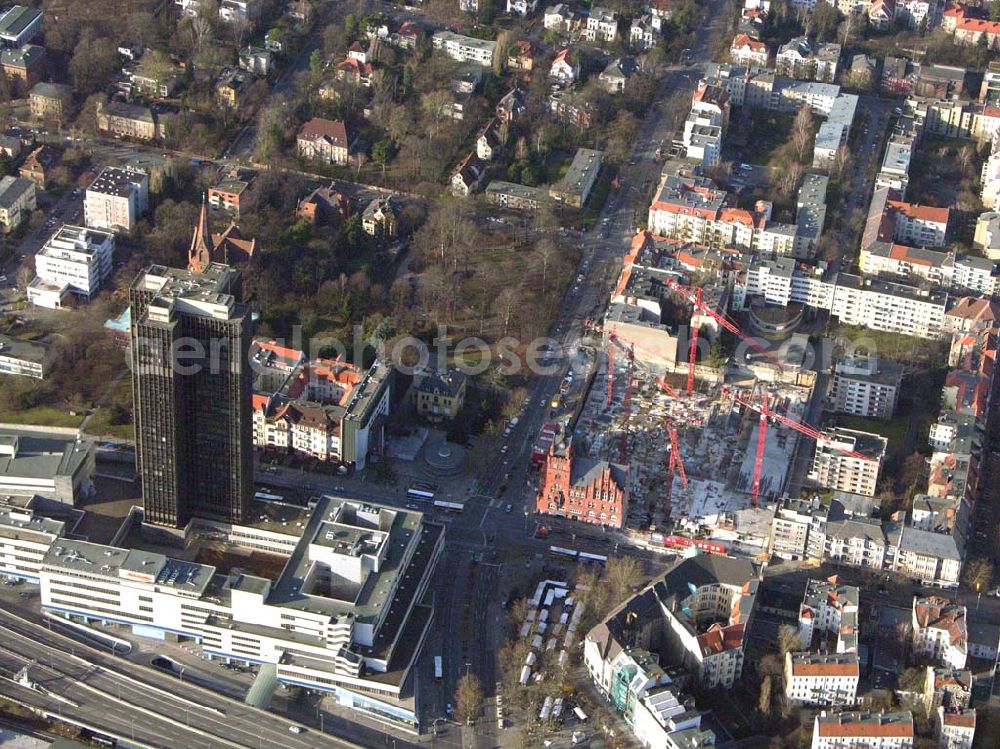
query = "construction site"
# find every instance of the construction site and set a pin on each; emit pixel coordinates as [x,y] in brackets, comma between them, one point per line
[699,448]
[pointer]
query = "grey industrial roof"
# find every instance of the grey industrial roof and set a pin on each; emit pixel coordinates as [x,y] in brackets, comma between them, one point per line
[929,543]
[32,351]
[17,19]
[11,190]
[42,455]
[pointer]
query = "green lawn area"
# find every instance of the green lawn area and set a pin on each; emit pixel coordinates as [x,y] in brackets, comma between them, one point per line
[100,425]
[895,431]
[44,416]
[904,349]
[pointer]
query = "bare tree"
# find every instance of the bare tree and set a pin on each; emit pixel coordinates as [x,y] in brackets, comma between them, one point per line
[468,699]
[622,574]
[545,253]
[802,132]
[978,573]
[201,32]
[764,704]
[789,639]
[506,300]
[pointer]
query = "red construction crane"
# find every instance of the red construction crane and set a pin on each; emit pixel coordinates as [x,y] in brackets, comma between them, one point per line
[611,373]
[675,464]
[694,297]
[627,407]
[767,414]
[693,350]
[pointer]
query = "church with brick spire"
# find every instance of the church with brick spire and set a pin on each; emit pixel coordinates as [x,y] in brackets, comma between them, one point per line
[230,247]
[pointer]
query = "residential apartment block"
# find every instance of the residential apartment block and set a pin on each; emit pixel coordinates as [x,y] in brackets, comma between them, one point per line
[17,201]
[865,386]
[697,611]
[939,631]
[848,460]
[855,300]
[855,730]
[116,199]
[601,25]
[465,48]
[128,120]
[822,679]
[328,410]
[956,728]
[50,101]
[829,611]
[814,61]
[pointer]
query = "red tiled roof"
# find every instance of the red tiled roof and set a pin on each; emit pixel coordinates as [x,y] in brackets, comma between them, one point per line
[978,25]
[974,308]
[872,727]
[919,212]
[960,720]
[902,253]
[742,40]
[736,216]
[824,669]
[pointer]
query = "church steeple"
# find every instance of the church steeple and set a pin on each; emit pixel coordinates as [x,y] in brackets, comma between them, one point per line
[200,253]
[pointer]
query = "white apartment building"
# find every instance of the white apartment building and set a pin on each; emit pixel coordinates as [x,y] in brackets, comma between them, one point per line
[946,269]
[748,52]
[857,473]
[75,260]
[933,557]
[865,386]
[465,48]
[895,171]
[892,307]
[990,180]
[919,225]
[116,200]
[798,530]
[829,607]
[939,631]
[856,300]
[855,730]
[25,538]
[822,679]
[856,543]
[602,25]
[956,728]
[324,621]
[522,7]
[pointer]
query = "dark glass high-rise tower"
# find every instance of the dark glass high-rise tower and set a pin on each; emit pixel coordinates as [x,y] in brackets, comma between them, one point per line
[191,385]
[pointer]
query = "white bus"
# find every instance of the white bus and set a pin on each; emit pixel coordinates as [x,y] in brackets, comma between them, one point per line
[448,506]
[438,668]
[421,491]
